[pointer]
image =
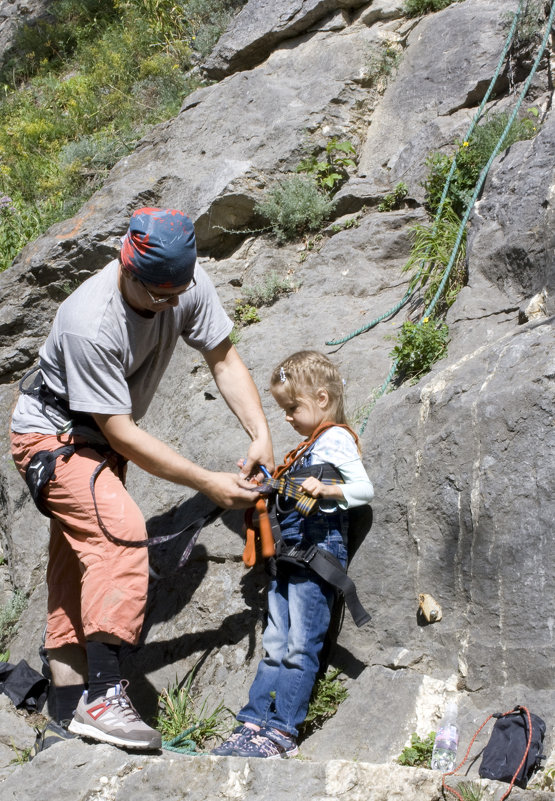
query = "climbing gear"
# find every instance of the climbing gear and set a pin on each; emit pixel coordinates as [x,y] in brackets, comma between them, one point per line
[513,752]
[49,400]
[42,465]
[113,719]
[283,485]
[428,608]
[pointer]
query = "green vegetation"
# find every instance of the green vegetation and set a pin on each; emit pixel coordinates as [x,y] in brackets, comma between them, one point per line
[471,791]
[331,173]
[528,27]
[544,780]
[431,251]
[266,293]
[9,617]
[178,713]
[300,204]
[419,346]
[344,225]
[295,206]
[419,753]
[245,314]
[471,157]
[394,199]
[329,691]
[415,8]
[80,89]
[383,60]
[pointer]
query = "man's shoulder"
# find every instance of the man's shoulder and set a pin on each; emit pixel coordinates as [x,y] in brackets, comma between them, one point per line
[82,312]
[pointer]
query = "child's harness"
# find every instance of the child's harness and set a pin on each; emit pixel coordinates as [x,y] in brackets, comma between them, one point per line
[284,487]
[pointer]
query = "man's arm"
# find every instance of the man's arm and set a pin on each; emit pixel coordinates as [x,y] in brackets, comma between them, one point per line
[154,456]
[239,391]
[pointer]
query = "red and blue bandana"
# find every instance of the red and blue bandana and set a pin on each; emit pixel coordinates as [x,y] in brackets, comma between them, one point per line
[159,247]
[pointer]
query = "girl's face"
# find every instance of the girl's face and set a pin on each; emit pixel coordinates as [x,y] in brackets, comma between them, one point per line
[303,413]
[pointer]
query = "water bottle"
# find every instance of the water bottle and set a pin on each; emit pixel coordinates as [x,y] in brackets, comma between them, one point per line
[444,752]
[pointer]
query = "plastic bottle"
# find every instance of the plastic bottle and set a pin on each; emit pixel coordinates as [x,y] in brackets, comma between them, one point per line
[444,753]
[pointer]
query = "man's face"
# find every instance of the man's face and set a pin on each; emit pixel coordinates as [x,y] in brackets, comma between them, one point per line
[149,299]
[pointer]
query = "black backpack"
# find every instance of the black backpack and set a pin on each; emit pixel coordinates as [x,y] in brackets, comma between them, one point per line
[507,756]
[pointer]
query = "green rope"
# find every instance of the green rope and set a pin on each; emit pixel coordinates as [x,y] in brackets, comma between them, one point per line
[182,744]
[446,186]
[475,195]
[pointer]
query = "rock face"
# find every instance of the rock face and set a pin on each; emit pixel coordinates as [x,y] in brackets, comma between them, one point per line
[462,461]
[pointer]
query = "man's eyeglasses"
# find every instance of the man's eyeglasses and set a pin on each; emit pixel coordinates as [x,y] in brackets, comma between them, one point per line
[158,299]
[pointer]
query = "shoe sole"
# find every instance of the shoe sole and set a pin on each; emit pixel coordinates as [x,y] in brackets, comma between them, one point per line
[97,734]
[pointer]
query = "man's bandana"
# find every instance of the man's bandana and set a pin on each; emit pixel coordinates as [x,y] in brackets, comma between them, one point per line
[159,247]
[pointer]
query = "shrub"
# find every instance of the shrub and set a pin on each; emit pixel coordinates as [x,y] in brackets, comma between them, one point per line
[246,314]
[394,199]
[9,617]
[415,8]
[471,157]
[419,752]
[329,691]
[431,253]
[81,88]
[266,293]
[331,173]
[295,206]
[419,346]
[178,713]
[528,27]
[382,61]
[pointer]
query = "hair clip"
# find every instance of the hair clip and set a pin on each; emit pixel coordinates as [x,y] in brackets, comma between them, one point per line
[282,376]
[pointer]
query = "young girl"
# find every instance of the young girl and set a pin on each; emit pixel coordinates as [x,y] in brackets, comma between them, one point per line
[309,389]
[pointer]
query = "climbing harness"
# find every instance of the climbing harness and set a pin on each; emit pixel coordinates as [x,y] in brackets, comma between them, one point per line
[41,470]
[283,488]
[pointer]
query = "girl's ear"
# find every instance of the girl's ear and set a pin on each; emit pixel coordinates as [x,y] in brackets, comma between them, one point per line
[323,398]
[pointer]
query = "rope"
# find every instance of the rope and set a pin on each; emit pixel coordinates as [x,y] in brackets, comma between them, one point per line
[477,190]
[182,744]
[523,760]
[443,198]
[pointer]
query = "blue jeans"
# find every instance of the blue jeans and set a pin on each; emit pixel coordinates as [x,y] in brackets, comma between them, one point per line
[299,609]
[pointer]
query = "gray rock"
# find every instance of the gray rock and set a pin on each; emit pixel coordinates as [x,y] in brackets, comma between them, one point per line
[462,462]
[262,25]
[437,77]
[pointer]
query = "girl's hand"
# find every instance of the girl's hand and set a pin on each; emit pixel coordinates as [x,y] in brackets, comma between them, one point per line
[317,489]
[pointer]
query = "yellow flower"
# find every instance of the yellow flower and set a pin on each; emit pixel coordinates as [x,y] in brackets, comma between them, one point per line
[465,144]
[425,319]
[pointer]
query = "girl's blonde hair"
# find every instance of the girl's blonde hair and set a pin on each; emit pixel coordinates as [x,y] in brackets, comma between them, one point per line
[306,372]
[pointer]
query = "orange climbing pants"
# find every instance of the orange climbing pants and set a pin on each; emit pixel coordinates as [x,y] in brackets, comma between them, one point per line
[94,585]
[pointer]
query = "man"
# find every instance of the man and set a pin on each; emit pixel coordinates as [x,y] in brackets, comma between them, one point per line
[99,368]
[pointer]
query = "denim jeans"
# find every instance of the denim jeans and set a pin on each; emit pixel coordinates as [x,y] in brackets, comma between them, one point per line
[299,609]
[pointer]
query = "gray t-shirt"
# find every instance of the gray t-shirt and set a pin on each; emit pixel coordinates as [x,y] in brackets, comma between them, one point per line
[104,357]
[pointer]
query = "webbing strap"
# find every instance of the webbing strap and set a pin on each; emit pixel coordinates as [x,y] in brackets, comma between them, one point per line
[331,570]
[196,526]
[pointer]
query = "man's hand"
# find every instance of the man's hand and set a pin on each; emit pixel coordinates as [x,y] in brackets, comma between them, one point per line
[229,491]
[259,453]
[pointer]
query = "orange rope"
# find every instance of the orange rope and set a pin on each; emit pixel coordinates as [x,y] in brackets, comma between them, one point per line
[456,770]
